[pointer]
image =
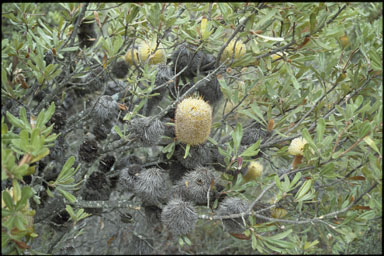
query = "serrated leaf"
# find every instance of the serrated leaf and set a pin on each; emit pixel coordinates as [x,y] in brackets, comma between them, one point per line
[14,120]
[71,198]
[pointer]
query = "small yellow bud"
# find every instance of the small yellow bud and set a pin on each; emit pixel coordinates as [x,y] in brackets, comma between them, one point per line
[228,51]
[278,213]
[344,40]
[146,51]
[255,169]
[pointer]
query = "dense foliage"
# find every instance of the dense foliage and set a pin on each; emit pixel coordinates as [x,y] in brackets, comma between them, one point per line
[89,97]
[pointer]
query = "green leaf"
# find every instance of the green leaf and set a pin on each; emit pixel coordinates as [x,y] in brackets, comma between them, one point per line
[187,241]
[118,131]
[303,190]
[320,130]
[295,179]
[181,242]
[69,209]
[26,193]
[255,108]
[49,192]
[293,78]
[69,49]
[187,148]
[7,199]
[20,223]
[40,156]
[308,138]
[48,114]
[281,235]
[372,144]
[14,120]
[277,181]
[71,198]
[252,150]
[23,116]
[237,135]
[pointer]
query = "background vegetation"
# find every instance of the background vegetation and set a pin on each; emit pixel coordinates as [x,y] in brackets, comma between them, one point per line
[311,70]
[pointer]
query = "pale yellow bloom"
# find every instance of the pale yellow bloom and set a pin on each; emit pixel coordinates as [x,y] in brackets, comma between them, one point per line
[297,146]
[255,169]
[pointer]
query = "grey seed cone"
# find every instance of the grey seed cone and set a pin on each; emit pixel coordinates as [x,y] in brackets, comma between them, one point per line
[152,186]
[194,186]
[179,217]
[233,205]
[106,109]
[147,131]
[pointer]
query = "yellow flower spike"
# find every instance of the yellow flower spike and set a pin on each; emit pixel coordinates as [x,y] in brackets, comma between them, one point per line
[254,171]
[193,121]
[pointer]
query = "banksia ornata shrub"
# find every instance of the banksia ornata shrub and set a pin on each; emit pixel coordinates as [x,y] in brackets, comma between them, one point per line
[233,205]
[193,121]
[152,186]
[179,217]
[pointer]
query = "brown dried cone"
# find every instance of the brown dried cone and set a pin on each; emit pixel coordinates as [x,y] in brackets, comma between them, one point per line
[88,150]
[106,163]
[87,34]
[253,133]
[120,69]
[152,186]
[97,189]
[210,91]
[59,119]
[197,61]
[179,217]
[233,205]
[199,155]
[195,185]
